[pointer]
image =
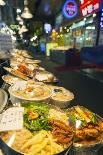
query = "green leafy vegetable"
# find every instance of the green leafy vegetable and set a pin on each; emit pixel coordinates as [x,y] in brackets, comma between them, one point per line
[41,122]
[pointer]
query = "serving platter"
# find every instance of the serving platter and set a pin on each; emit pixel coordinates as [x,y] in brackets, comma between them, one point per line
[89,128]
[10,79]
[40,138]
[30,92]
[16,73]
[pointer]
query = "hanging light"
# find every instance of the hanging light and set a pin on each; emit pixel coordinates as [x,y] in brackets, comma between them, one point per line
[23,29]
[26,13]
[2,3]
[18,18]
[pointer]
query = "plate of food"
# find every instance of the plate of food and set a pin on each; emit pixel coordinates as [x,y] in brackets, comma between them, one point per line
[21,53]
[25,54]
[89,127]
[42,134]
[15,63]
[31,61]
[44,76]
[26,91]
[16,73]
[61,97]
[10,79]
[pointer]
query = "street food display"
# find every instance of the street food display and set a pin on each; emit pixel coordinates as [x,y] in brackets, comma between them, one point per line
[49,126]
[42,133]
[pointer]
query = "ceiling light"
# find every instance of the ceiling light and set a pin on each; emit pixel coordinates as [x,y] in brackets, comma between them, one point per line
[26,13]
[2,3]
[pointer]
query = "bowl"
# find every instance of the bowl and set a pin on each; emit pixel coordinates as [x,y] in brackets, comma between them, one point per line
[61,97]
[29,92]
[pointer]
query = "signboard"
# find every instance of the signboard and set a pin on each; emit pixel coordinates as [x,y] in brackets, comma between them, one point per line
[89,6]
[101,20]
[12,119]
[70,9]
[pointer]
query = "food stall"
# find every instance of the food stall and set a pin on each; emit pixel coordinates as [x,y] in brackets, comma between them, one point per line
[65,55]
[36,118]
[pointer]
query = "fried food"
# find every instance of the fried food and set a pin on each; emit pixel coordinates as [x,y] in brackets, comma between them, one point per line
[62,132]
[89,127]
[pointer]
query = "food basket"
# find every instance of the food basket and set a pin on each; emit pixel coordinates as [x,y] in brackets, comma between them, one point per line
[87,147]
[7,149]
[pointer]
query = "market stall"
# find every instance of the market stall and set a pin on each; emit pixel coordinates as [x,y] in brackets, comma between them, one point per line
[65,56]
[36,118]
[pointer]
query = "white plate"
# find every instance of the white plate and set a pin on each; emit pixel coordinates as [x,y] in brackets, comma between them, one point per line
[11,79]
[22,85]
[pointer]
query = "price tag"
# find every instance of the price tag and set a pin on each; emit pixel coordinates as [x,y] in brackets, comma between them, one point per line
[12,119]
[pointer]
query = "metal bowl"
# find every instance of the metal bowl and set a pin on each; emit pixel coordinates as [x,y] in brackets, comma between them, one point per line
[10,151]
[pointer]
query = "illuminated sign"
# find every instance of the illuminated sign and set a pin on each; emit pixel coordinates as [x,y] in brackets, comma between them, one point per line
[101,22]
[89,7]
[70,9]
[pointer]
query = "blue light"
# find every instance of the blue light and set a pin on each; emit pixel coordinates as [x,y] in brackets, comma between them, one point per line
[101,22]
[73,11]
